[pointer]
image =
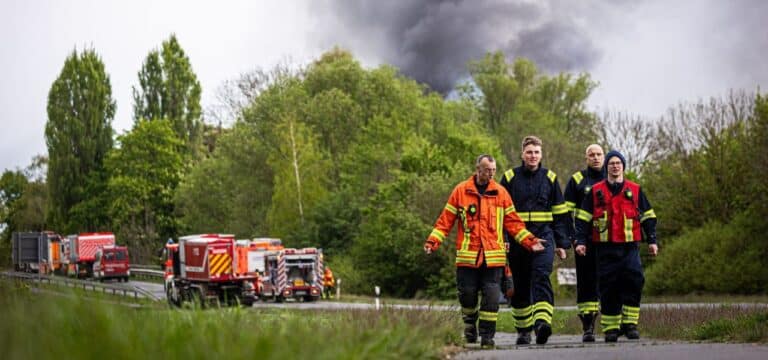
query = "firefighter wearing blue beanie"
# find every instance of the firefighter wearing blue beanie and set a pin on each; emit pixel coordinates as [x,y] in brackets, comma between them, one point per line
[615,216]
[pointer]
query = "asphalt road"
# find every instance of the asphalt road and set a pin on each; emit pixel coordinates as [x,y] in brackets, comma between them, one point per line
[571,347]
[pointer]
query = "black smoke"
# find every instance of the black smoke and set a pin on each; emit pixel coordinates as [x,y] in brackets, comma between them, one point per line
[433,40]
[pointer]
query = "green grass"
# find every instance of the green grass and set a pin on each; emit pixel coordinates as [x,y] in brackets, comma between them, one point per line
[40,326]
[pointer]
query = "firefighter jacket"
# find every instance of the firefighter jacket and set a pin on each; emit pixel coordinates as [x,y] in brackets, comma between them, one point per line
[615,213]
[482,219]
[578,187]
[328,279]
[539,202]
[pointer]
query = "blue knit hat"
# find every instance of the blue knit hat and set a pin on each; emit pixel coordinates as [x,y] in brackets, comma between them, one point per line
[608,156]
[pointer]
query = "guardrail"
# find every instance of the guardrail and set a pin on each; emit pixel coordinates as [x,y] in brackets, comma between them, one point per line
[147,273]
[114,289]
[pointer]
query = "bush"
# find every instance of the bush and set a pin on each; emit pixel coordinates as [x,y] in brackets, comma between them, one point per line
[717,258]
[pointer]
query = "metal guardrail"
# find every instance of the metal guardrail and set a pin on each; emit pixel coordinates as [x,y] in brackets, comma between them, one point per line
[146,273]
[114,289]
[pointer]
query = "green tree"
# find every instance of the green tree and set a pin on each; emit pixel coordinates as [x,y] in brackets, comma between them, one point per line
[169,89]
[79,135]
[143,175]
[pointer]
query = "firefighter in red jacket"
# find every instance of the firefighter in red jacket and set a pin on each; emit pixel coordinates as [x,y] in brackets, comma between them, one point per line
[586,268]
[613,216]
[483,210]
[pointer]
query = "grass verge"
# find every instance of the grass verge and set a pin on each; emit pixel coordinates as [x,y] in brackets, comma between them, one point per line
[38,326]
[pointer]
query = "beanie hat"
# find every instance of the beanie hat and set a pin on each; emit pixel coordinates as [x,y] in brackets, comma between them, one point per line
[608,156]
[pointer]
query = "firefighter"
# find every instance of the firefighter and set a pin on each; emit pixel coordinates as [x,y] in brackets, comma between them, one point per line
[482,209]
[614,215]
[329,284]
[586,267]
[540,204]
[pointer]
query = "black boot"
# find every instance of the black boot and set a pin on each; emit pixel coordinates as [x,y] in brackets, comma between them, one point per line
[543,331]
[470,333]
[523,338]
[588,325]
[612,336]
[630,331]
[487,343]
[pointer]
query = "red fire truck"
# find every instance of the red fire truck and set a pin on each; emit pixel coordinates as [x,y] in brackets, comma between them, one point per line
[286,273]
[203,269]
[79,252]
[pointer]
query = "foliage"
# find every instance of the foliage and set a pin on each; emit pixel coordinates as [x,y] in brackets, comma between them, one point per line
[143,174]
[169,89]
[516,100]
[79,135]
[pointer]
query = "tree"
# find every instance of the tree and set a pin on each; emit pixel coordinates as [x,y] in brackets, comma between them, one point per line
[143,174]
[79,135]
[169,90]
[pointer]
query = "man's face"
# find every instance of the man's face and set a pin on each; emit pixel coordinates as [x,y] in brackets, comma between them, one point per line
[531,156]
[485,171]
[615,167]
[595,158]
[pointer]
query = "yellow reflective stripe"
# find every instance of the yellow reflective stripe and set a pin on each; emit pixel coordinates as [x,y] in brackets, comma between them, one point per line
[610,322]
[628,235]
[509,174]
[466,257]
[536,216]
[496,261]
[509,210]
[602,227]
[588,307]
[526,311]
[489,316]
[583,215]
[450,208]
[571,205]
[650,214]
[577,177]
[496,257]
[551,175]
[468,311]
[438,235]
[500,227]
[543,306]
[522,235]
[630,315]
[559,209]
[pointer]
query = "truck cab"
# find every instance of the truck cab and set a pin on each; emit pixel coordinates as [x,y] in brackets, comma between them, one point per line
[111,262]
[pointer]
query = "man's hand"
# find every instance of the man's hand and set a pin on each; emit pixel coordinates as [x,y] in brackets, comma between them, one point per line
[581,250]
[653,249]
[534,244]
[561,253]
[430,246]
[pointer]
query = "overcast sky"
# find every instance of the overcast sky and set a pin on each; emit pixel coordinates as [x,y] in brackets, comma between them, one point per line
[646,55]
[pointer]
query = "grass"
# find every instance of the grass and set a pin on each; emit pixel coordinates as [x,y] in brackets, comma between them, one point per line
[717,323]
[37,325]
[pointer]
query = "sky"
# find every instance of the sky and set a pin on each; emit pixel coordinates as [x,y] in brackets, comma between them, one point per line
[646,55]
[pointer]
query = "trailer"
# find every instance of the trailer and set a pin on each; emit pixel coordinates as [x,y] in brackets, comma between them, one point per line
[204,269]
[36,251]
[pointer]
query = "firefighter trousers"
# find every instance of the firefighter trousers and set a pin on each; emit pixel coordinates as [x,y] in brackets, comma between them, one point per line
[483,281]
[533,299]
[586,282]
[621,280]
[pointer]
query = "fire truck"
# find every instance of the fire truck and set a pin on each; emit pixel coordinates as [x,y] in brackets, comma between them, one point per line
[78,252]
[204,269]
[286,273]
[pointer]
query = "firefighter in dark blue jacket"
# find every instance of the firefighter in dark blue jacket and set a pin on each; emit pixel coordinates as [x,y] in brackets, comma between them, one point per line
[586,267]
[615,215]
[539,202]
